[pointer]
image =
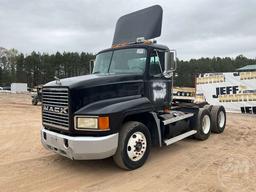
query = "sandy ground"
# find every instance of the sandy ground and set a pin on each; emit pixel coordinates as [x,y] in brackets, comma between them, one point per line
[224,162]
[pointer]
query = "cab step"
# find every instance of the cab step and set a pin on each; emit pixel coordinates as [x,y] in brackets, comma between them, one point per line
[179,137]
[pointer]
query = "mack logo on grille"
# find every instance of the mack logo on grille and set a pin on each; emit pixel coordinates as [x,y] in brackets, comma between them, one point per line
[61,110]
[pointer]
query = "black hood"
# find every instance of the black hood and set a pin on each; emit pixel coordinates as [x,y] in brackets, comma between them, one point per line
[90,89]
[92,80]
[87,89]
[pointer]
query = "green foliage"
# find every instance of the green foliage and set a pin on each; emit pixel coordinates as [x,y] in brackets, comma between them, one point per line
[37,68]
[8,65]
[187,70]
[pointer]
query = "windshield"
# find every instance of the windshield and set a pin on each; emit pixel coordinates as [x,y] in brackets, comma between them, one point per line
[130,61]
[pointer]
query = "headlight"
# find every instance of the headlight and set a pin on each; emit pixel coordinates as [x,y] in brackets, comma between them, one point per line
[94,123]
[87,123]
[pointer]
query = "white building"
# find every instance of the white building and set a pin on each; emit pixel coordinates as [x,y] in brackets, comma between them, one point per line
[19,87]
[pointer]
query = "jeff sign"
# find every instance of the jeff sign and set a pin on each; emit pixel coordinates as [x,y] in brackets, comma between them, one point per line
[226,91]
[235,91]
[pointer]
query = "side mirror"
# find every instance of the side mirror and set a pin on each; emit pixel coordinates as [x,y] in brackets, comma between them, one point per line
[91,65]
[170,63]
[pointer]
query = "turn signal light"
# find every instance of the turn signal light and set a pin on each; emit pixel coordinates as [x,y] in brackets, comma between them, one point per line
[103,122]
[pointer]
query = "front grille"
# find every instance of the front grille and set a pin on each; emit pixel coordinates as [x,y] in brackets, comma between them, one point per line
[55,107]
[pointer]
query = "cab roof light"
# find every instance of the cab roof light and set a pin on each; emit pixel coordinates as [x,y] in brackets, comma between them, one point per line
[120,45]
[140,40]
[145,42]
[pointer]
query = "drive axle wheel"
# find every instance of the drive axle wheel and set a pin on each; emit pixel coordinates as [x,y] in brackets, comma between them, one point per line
[218,119]
[133,145]
[203,124]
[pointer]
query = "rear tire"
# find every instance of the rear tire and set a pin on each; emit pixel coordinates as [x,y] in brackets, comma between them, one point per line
[218,114]
[133,145]
[202,124]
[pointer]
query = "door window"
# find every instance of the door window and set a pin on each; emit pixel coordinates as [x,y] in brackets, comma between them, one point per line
[155,64]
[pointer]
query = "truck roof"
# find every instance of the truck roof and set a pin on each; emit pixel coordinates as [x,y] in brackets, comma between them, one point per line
[137,45]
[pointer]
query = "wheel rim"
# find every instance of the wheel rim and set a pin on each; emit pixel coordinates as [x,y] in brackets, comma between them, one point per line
[221,119]
[137,145]
[206,124]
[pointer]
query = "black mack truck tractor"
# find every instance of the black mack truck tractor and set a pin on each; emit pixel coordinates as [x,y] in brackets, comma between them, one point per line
[125,106]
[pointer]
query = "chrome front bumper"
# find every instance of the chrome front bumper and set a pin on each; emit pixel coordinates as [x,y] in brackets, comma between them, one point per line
[81,147]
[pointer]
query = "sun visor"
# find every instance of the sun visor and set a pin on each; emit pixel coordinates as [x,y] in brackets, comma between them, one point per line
[145,23]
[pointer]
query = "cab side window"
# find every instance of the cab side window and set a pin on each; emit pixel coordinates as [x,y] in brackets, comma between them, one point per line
[155,65]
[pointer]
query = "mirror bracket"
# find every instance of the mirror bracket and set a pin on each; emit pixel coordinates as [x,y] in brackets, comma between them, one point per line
[91,65]
[167,74]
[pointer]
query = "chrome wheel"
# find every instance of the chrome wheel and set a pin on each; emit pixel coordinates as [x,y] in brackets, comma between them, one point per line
[136,146]
[206,124]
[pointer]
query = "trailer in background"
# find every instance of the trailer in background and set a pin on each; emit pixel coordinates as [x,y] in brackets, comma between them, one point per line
[236,91]
[184,94]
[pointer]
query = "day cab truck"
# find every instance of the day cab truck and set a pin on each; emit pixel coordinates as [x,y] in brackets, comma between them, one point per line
[125,106]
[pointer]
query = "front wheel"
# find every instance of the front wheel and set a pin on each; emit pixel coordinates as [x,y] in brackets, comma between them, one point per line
[133,146]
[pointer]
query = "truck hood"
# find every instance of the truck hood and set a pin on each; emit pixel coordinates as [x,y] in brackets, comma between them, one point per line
[93,80]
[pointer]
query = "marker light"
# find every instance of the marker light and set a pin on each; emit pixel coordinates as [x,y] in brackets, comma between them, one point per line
[103,122]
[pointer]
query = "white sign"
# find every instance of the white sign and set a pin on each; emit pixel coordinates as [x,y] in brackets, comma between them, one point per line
[19,87]
[235,91]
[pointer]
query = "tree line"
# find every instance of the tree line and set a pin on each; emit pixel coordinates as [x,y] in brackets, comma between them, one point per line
[39,68]
[188,70]
[36,68]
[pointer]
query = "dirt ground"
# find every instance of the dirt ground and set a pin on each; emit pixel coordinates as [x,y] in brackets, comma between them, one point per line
[224,162]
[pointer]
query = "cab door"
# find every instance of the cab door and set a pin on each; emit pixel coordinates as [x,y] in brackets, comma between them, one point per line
[159,87]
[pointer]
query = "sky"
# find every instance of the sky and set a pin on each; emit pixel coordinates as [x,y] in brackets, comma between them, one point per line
[195,28]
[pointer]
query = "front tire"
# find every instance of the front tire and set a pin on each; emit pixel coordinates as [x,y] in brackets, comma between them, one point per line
[133,145]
